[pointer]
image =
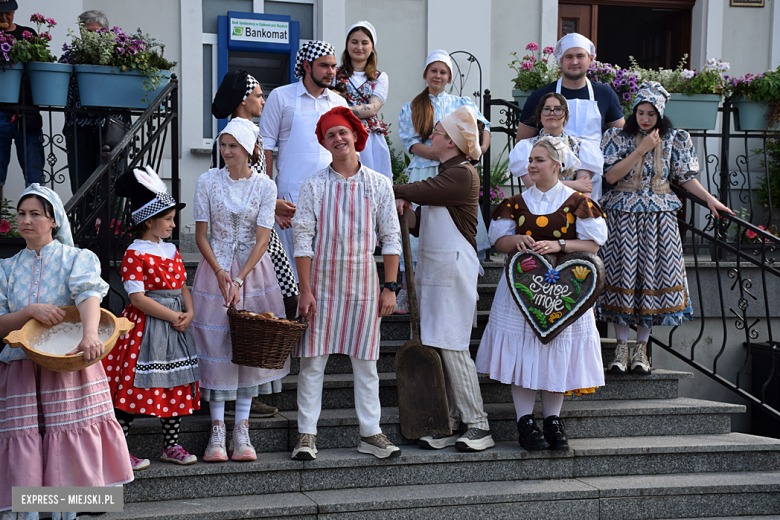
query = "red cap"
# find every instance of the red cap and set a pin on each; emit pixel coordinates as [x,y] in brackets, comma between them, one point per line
[342,116]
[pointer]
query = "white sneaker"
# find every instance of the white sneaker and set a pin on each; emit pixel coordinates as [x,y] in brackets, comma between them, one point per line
[639,362]
[305,449]
[619,365]
[240,445]
[215,451]
[379,446]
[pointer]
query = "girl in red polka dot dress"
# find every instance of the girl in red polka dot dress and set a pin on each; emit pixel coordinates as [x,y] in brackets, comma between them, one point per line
[153,370]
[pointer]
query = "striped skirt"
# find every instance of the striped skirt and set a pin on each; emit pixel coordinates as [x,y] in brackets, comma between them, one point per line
[220,379]
[58,429]
[646,283]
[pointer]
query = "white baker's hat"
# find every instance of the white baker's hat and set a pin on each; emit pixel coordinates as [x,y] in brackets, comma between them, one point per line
[573,40]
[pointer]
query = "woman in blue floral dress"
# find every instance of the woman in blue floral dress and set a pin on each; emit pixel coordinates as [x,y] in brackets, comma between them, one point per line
[415,128]
[56,428]
[645,274]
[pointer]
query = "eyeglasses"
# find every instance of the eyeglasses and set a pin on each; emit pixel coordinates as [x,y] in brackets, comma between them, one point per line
[558,111]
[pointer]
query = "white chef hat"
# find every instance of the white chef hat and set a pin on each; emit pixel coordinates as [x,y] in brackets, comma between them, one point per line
[368,26]
[439,55]
[573,40]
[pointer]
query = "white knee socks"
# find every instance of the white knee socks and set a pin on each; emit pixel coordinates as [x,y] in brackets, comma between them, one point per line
[621,332]
[551,403]
[242,408]
[642,333]
[217,410]
[524,400]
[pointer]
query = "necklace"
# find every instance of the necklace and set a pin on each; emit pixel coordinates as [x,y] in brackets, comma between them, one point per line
[549,198]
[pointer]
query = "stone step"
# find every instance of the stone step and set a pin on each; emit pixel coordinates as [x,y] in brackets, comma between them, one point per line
[397,326]
[338,389]
[345,468]
[682,495]
[338,428]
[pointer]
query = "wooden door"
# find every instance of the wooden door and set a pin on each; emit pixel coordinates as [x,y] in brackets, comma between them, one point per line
[577,18]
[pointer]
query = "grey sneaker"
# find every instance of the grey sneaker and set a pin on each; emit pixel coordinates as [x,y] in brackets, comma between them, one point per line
[378,446]
[639,362]
[305,449]
[619,365]
[475,439]
[437,441]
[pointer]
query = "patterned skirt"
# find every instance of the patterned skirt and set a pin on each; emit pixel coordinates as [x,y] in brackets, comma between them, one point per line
[284,273]
[220,379]
[646,283]
[58,429]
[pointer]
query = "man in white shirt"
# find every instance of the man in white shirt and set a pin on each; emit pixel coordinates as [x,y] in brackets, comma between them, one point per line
[289,120]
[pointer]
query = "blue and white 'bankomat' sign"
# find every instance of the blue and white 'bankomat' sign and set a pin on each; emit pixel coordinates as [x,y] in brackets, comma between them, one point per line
[259,41]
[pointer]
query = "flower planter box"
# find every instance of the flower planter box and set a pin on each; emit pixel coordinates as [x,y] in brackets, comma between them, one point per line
[10,83]
[49,82]
[10,246]
[104,86]
[521,96]
[751,115]
[696,112]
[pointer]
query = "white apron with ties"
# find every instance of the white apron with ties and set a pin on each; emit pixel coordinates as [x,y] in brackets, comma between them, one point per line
[303,157]
[585,123]
[446,280]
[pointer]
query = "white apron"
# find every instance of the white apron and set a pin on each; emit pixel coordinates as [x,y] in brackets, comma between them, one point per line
[303,156]
[344,279]
[446,279]
[585,123]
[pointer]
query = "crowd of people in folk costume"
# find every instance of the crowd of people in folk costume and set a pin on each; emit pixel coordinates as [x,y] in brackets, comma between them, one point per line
[302,242]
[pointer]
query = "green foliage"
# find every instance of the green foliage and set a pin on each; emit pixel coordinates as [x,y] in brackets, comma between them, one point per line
[759,87]
[525,290]
[399,163]
[536,69]
[499,176]
[769,183]
[540,317]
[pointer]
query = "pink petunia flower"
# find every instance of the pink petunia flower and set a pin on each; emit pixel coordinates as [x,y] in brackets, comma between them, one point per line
[751,234]
[37,18]
[50,22]
[532,47]
[5,226]
[527,65]
[27,35]
[548,50]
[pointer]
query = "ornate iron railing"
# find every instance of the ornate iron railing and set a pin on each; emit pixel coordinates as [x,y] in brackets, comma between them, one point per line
[733,264]
[99,219]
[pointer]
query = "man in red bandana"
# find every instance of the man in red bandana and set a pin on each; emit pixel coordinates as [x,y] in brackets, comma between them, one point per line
[342,211]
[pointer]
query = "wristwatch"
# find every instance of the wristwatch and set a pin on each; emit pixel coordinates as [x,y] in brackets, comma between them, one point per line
[562,243]
[393,286]
[238,282]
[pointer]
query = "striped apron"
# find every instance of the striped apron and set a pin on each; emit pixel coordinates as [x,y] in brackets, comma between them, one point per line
[344,279]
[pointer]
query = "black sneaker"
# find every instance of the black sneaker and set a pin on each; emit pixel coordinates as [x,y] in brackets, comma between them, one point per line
[554,433]
[475,439]
[530,436]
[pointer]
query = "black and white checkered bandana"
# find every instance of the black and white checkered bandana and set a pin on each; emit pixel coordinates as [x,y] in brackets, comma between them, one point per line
[310,51]
[251,83]
[163,201]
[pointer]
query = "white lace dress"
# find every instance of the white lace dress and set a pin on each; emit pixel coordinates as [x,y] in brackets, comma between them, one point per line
[234,211]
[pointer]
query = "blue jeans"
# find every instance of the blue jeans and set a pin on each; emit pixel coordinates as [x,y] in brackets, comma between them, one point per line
[29,146]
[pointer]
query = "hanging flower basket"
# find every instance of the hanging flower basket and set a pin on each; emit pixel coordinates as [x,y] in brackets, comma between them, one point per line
[751,115]
[10,83]
[694,112]
[105,86]
[49,82]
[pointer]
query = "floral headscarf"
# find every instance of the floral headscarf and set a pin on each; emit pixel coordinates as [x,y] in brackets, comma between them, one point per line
[652,92]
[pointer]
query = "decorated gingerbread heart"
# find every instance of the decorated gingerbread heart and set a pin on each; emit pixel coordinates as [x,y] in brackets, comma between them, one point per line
[553,294]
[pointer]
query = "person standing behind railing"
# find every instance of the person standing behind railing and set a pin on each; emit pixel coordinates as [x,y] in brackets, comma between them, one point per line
[646,283]
[25,131]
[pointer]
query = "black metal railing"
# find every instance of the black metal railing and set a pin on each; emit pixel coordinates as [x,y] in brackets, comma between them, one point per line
[733,265]
[99,219]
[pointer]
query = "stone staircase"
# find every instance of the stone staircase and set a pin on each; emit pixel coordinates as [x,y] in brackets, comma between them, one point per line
[637,450]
